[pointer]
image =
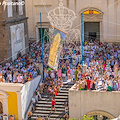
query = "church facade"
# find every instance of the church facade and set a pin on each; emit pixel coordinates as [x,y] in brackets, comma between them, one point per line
[101,18]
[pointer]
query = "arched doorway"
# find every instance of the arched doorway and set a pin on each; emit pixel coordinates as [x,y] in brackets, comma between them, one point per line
[3,103]
[100,115]
[92,18]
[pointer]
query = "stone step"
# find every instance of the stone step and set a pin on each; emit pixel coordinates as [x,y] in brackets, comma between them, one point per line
[46,96]
[68,83]
[35,118]
[49,109]
[62,91]
[61,100]
[56,99]
[62,94]
[43,107]
[57,116]
[65,89]
[45,99]
[56,119]
[49,106]
[61,97]
[40,116]
[37,112]
[48,102]
[67,86]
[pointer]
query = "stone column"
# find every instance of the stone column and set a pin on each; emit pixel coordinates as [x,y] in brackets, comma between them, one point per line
[19,105]
[5,106]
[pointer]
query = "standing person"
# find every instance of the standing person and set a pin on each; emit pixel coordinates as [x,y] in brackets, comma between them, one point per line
[119,83]
[63,72]
[68,72]
[10,77]
[72,71]
[66,116]
[15,77]
[76,61]
[104,85]
[38,71]
[19,79]
[76,74]
[59,72]
[45,73]
[34,102]
[104,66]
[52,74]
[53,104]
[5,76]
[88,83]
[0,77]
[112,64]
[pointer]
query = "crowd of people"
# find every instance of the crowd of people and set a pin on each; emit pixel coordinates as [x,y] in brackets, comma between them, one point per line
[23,69]
[102,60]
[102,70]
[50,87]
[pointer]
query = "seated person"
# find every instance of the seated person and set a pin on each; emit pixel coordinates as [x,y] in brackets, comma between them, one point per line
[29,115]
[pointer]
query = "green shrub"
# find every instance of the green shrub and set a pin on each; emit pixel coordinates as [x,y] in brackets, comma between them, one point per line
[85,117]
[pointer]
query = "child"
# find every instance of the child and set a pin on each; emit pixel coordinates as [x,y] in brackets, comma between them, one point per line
[53,104]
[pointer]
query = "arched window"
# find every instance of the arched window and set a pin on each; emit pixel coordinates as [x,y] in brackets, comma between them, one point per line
[91,12]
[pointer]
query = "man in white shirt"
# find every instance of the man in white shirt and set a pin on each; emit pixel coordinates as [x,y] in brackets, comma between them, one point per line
[19,78]
[10,77]
[24,70]
[104,86]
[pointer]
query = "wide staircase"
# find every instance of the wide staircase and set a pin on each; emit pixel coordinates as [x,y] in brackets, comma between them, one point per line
[43,107]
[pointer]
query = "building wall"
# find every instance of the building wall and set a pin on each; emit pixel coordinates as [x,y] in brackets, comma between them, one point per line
[10,39]
[3,48]
[16,97]
[84,102]
[11,99]
[110,24]
[13,104]
[11,15]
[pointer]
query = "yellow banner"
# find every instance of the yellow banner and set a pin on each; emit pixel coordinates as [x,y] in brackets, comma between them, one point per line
[53,51]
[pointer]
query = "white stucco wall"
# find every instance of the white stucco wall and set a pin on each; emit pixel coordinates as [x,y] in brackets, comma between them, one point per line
[27,93]
[84,102]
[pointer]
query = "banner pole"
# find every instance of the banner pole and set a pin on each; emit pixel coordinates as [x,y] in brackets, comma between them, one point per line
[42,44]
[82,38]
